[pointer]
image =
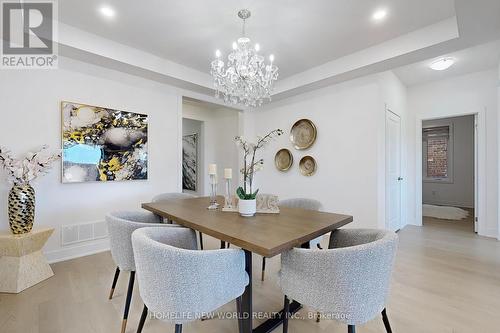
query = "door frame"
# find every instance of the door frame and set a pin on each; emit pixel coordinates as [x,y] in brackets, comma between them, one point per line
[387,188]
[479,162]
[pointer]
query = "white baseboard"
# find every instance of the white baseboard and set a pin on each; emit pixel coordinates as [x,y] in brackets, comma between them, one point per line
[80,250]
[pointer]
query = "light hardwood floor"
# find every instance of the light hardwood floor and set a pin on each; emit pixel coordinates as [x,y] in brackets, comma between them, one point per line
[446,280]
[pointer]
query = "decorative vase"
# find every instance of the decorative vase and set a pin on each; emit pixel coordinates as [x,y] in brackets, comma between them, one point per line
[247,208]
[21,208]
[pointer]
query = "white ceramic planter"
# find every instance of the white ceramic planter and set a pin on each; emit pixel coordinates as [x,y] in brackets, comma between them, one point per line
[247,207]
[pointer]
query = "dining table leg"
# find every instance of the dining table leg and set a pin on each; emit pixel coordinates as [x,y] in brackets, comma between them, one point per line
[246,308]
[246,299]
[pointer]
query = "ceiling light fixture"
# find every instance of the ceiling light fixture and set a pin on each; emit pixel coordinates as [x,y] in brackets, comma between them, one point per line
[379,15]
[442,64]
[245,78]
[107,11]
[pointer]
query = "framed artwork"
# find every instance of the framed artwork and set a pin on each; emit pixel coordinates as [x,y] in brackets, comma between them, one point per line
[102,144]
[189,161]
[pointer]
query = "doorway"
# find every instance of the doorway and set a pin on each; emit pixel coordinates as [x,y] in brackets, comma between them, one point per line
[449,173]
[208,132]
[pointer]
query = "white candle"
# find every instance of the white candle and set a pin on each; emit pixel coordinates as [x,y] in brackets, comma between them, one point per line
[212,169]
[228,173]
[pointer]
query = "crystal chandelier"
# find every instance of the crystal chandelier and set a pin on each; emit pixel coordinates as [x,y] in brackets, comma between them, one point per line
[245,78]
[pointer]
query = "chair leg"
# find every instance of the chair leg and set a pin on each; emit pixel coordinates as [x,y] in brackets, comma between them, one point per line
[178,328]
[113,285]
[201,241]
[222,244]
[127,302]
[143,319]
[351,329]
[262,276]
[386,321]
[286,314]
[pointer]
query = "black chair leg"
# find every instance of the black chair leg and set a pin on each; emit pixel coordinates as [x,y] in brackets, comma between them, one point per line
[222,244]
[127,302]
[178,328]
[286,314]
[386,321]
[201,241]
[351,329]
[262,276]
[113,285]
[143,319]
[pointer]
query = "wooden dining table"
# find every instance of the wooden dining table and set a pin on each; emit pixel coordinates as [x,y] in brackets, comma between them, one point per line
[265,234]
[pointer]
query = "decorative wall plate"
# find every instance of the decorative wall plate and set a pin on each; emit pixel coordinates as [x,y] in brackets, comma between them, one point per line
[283,159]
[307,165]
[303,134]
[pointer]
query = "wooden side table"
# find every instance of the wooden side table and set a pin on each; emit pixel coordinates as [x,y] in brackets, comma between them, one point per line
[22,263]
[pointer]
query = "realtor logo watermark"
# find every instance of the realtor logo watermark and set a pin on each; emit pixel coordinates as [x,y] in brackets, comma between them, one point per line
[28,33]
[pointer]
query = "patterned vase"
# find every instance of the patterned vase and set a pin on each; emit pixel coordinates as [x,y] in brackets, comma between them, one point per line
[21,208]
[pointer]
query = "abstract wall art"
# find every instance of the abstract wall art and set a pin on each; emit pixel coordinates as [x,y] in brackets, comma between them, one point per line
[189,161]
[102,144]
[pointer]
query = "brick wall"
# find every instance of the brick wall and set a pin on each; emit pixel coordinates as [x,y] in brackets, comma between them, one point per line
[437,157]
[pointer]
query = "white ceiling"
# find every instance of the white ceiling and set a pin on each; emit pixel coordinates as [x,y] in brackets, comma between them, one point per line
[474,59]
[301,34]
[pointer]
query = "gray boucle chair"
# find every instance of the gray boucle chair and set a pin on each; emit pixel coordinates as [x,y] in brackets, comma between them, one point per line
[349,281]
[173,196]
[302,203]
[179,284]
[120,228]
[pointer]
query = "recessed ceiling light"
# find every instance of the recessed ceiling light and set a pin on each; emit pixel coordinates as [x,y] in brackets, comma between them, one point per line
[107,11]
[379,15]
[442,64]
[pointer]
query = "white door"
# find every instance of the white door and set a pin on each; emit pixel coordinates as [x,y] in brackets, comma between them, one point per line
[475,176]
[393,177]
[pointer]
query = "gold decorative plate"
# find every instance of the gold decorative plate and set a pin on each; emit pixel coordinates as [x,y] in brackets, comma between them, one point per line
[303,134]
[307,166]
[283,159]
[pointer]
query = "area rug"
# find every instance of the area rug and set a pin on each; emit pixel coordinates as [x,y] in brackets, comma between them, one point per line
[444,212]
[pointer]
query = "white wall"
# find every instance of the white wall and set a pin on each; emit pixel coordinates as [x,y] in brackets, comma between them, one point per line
[220,127]
[31,116]
[467,94]
[459,192]
[191,126]
[349,150]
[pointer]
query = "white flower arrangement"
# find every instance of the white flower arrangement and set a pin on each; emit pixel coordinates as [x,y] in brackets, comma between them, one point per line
[32,166]
[250,165]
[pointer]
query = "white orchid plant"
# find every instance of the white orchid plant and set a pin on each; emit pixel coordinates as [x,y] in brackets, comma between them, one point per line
[251,165]
[34,164]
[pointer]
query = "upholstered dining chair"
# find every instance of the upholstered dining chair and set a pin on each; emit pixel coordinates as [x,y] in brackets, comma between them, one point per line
[176,195]
[302,203]
[120,228]
[349,281]
[179,284]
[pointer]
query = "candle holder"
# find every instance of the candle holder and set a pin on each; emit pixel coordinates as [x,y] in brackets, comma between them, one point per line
[228,204]
[213,193]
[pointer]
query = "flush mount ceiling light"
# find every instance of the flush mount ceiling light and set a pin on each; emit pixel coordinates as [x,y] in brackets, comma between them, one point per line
[244,78]
[107,11]
[442,64]
[379,15]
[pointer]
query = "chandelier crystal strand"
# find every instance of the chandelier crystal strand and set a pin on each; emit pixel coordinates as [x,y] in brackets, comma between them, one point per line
[245,78]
